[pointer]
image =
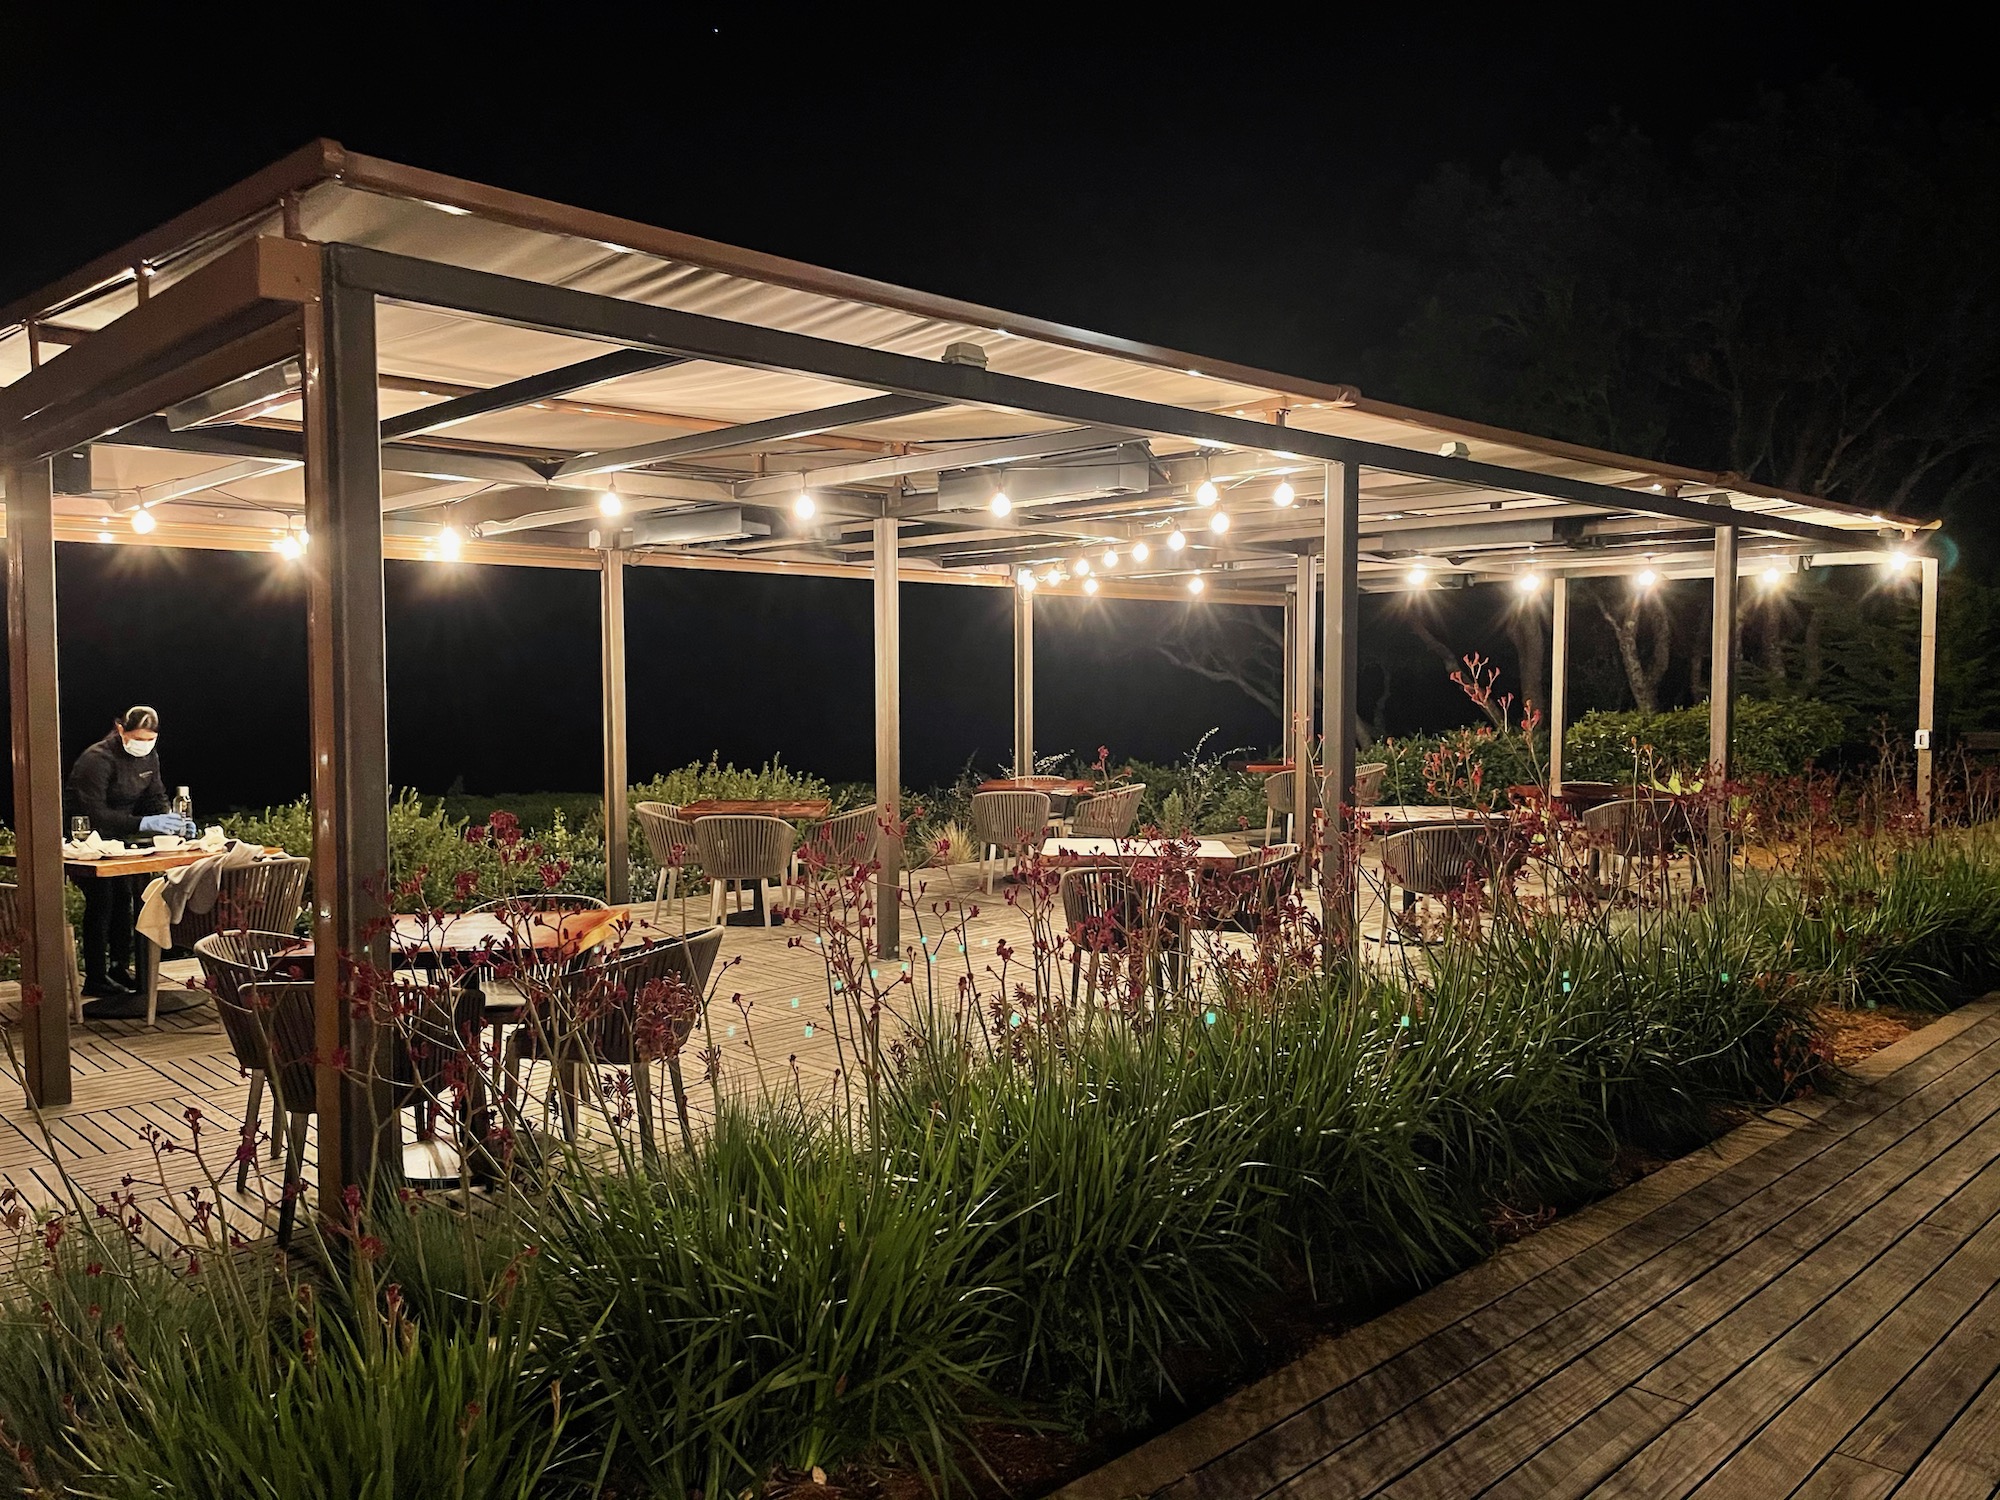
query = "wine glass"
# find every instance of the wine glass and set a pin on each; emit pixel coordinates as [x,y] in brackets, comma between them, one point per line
[79,830]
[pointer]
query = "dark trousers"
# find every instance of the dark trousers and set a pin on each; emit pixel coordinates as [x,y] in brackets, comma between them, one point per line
[110,907]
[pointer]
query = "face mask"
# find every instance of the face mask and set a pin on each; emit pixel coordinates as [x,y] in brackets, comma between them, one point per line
[140,747]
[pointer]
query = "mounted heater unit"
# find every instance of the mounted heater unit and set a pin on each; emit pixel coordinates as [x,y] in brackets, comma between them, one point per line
[1124,470]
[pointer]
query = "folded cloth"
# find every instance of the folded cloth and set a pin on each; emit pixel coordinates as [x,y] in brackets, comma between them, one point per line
[189,888]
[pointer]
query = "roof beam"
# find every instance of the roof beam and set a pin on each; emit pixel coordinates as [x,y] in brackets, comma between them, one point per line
[526,391]
[564,309]
[747,435]
[936,460]
[195,484]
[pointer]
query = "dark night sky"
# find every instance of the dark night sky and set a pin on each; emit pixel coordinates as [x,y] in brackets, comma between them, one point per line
[1234,190]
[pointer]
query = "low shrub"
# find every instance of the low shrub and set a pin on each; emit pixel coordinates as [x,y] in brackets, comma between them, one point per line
[1774,737]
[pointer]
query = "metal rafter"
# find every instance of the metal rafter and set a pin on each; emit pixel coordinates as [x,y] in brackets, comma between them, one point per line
[748,435]
[527,391]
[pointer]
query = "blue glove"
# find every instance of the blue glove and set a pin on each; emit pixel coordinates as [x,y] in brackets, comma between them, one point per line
[166,823]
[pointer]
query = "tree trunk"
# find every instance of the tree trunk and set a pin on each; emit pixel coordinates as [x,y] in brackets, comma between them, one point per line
[1645,665]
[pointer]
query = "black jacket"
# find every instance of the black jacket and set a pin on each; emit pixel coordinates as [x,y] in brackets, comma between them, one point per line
[113,789]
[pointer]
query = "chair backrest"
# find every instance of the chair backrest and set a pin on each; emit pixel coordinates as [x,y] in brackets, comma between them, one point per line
[1368,779]
[1439,860]
[742,847]
[1008,819]
[1108,815]
[261,897]
[1253,892]
[1278,792]
[1641,825]
[669,837]
[10,915]
[1101,904]
[843,842]
[277,1016]
[613,1010]
[232,962]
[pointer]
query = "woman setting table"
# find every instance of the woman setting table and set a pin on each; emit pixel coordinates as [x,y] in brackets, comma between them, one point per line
[115,791]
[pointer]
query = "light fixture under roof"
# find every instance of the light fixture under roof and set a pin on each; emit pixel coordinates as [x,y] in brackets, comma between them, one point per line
[143,521]
[450,543]
[1284,494]
[1110,557]
[1026,579]
[1140,552]
[1082,568]
[1219,522]
[1176,540]
[1208,494]
[1195,585]
[1528,583]
[1899,561]
[1090,585]
[1000,504]
[1773,576]
[105,536]
[287,547]
[1418,576]
[608,504]
[805,507]
[1646,578]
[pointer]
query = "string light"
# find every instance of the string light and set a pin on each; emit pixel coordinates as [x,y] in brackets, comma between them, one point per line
[608,504]
[1000,504]
[1773,576]
[1176,541]
[1026,579]
[1647,578]
[1899,561]
[1528,583]
[1082,568]
[1090,585]
[1284,494]
[105,536]
[1208,494]
[1110,557]
[1140,552]
[450,544]
[1417,576]
[287,547]
[143,521]
[1195,585]
[805,507]
[1219,522]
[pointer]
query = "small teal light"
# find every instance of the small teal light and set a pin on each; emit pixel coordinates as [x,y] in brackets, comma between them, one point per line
[1565,975]
[809,1028]
[1209,1018]
[1404,1024]
[1014,1020]
[732,1031]
[836,987]
[1725,976]
[874,973]
[906,968]
[795,999]
[1566,986]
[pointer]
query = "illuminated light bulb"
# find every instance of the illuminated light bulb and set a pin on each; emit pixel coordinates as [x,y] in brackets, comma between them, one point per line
[1773,577]
[1026,580]
[1000,504]
[1110,557]
[1418,576]
[1176,541]
[1219,522]
[1090,585]
[1528,583]
[608,504]
[1284,494]
[1195,585]
[1140,552]
[289,548]
[305,538]
[450,544]
[1082,568]
[1899,562]
[1208,494]
[143,521]
[1647,578]
[105,536]
[805,507]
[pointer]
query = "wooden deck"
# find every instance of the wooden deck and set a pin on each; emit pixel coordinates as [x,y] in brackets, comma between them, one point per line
[1810,1308]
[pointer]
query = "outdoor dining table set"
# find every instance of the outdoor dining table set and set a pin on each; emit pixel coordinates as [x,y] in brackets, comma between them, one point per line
[746,845]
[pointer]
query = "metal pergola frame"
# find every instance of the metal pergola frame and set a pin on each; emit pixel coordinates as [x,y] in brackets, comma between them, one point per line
[254,317]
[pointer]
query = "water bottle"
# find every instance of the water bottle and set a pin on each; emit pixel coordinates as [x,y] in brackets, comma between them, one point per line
[183,804]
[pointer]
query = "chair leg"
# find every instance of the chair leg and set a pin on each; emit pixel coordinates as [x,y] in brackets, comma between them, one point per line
[659,891]
[680,1098]
[293,1182]
[1270,819]
[152,957]
[767,898]
[642,1100]
[246,1148]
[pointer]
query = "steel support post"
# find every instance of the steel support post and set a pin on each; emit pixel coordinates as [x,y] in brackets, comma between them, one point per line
[1299,690]
[617,818]
[358,1139]
[1926,682]
[1340,687]
[46,967]
[1721,704]
[1024,682]
[888,740]
[1558,676]
[1289,672]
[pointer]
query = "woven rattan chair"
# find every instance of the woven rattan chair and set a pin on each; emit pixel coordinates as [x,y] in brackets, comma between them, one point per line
[1107,815]
[505,994]
[670,841]
[10,938]
[611,1012]
[1278,801]
[737,851]
[1368,779]
[1632,829]
[1102,908]
[1253,894]
[262,897]
[838,844]
[1440,860]
[1003,823]
[232,962]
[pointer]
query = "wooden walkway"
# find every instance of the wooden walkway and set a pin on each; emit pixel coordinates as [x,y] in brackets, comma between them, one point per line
[1809,1308]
